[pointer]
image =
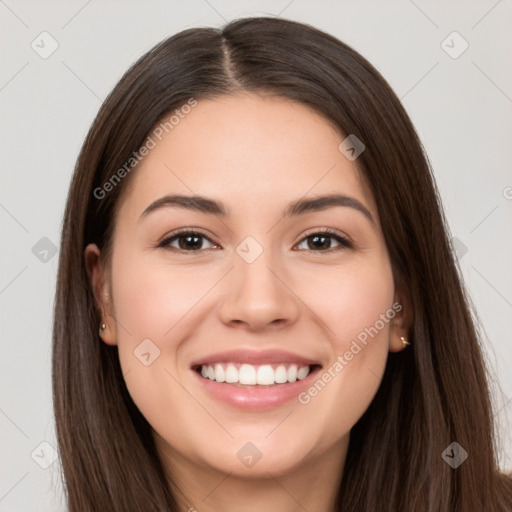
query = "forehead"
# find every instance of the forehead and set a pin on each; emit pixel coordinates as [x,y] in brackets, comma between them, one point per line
[247,150]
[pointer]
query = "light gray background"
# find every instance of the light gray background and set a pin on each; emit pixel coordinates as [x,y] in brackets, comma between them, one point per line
[461,108]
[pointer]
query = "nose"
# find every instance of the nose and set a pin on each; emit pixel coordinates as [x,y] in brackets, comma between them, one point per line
[258,295]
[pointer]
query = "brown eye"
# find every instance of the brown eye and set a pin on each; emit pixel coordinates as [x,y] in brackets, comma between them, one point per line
[187,241]
[322,241]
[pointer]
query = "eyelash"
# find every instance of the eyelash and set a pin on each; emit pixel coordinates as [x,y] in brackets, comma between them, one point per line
[343,241]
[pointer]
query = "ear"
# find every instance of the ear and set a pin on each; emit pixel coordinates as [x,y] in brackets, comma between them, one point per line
[99,278]
[401,323]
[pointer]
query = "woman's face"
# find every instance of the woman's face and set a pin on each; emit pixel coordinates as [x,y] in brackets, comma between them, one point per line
[257,293]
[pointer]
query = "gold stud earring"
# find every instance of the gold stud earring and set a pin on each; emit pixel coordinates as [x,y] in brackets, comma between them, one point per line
[404,341]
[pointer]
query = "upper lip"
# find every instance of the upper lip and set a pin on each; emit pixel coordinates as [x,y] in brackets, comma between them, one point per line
[255,357]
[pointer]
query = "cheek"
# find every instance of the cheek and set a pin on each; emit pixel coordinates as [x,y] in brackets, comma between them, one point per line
[362,329]
[152,298]
[363,313]
[356,306]
[153,304]
[351,299]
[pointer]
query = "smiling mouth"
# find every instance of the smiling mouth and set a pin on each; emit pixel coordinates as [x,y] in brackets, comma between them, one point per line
[245,374]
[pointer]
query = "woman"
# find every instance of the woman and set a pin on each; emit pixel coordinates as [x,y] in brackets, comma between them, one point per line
[257,306]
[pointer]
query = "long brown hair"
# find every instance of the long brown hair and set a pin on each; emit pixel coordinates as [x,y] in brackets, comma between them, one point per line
[434,393]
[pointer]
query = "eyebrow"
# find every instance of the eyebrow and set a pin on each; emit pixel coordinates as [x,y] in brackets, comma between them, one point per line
[209,206]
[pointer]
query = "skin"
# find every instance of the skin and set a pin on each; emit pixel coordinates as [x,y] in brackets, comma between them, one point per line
[255,154]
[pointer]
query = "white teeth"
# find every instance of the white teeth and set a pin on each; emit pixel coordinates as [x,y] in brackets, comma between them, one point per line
[248,374]
[231,373]
[281,375]
[303,372]
[265,375]
[292,373]
[219,373]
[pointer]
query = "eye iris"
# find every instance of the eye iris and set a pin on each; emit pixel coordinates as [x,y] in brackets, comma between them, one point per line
[316,244]
[193,241]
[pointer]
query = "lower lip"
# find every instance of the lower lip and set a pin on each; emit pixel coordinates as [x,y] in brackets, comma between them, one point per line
[256,397]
